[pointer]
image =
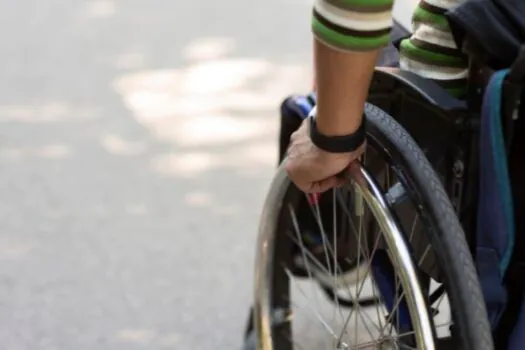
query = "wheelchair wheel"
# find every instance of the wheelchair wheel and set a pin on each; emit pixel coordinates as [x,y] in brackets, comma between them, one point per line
[398,233]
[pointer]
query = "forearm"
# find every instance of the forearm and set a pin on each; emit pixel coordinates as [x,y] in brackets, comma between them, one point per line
[343,79]
[349,36]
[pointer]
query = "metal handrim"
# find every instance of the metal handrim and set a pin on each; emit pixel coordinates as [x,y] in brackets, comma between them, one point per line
[398,249]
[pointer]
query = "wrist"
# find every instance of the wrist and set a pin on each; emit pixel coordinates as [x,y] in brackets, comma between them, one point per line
[336,143]
[338,126]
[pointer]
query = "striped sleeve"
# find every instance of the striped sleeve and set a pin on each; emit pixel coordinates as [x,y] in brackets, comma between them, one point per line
[431,51]
[353,25]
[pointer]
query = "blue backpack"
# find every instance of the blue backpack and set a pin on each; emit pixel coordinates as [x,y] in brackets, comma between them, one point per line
[496,251]
[498,28]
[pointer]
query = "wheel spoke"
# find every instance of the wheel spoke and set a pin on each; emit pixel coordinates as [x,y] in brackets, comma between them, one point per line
[314,311]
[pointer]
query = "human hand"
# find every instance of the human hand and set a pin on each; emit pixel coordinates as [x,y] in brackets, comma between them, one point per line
[312,169]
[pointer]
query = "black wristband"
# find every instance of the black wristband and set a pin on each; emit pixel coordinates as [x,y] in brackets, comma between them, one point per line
[337,144]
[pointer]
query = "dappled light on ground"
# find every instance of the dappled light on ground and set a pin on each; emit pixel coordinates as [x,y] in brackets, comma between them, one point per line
[214,130]
[130,60]
[138,140]
[219,111]
[50,152]
[238,85]
[209,48]
[127,187]
[49,112]
[185,164]
[148,337]
[198,199]
[117,145]
[100,8]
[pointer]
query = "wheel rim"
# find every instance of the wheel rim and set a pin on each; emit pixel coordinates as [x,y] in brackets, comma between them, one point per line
[400,254]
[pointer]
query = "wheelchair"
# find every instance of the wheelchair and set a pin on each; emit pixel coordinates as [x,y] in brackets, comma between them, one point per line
[387,259]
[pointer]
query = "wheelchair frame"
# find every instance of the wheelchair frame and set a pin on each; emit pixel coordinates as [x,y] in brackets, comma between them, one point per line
[453,148]
[450,140]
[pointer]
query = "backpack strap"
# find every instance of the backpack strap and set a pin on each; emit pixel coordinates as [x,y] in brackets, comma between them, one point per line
[517,334]
[495,219]
[517,70]
[513,95]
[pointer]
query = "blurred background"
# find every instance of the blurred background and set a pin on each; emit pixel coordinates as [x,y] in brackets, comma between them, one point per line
[137,142]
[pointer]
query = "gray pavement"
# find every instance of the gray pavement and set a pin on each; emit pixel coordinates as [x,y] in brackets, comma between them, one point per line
[137,141]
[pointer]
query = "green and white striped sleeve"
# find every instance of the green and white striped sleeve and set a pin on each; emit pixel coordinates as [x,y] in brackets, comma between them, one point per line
[353,25]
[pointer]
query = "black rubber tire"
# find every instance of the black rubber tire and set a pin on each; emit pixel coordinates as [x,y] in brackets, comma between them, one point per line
[447,238]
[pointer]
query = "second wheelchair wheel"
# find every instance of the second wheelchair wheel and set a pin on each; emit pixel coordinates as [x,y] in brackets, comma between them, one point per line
[395,223]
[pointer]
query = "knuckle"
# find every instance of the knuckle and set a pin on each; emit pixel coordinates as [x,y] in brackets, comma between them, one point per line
[288,167]
[305,187]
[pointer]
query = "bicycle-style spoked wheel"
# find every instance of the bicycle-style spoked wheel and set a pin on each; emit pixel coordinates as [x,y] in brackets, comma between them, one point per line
[390,234]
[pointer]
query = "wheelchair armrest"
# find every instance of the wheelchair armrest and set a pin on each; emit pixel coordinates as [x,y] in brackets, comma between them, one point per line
[397,80]
[434,118]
